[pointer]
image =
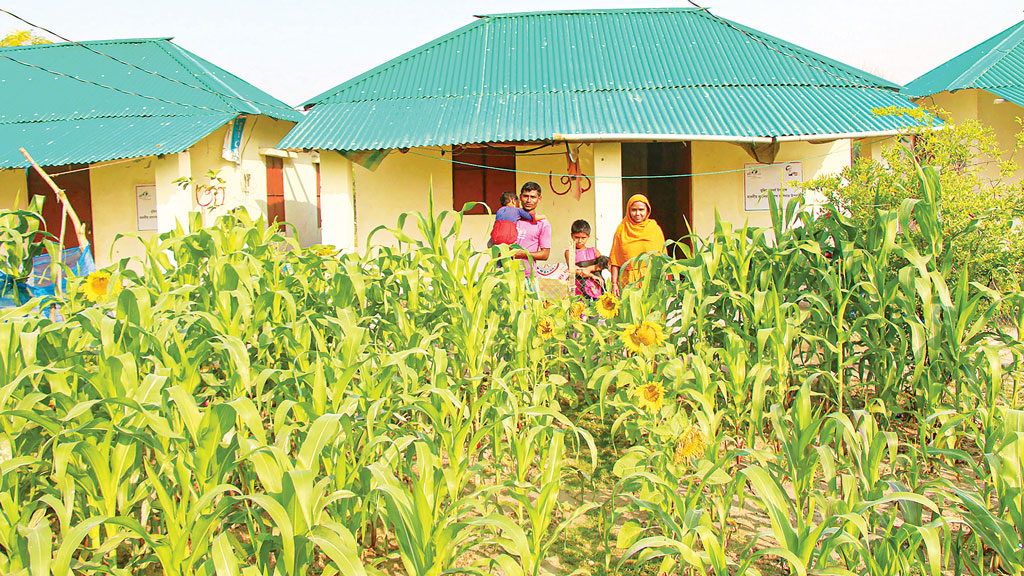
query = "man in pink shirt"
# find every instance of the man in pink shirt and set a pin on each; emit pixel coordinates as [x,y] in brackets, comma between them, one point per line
[534,237]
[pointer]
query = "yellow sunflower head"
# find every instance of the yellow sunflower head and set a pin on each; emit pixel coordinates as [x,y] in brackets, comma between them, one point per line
[576,310]
[691,445]
[323,250]
[608,305]
[650,396]
[638,337]
[96,286]
[547,303]
[546,328]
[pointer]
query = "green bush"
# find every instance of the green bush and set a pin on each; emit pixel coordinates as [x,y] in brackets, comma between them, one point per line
[978,214]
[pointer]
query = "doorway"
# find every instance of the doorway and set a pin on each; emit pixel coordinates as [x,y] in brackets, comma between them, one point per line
[671,198]
[74,180]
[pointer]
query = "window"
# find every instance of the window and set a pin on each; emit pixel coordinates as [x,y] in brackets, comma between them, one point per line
[275,191]
[475,178]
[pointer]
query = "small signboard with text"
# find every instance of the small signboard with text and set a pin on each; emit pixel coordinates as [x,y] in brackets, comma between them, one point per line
[145,203]
[760,180]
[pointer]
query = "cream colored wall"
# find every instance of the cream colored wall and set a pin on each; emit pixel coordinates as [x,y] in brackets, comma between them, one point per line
[981,105]
[400,184]
[247,180]
[1003,119]
[725,191]
[114,208]
[13,189]
[962,104]
[402,181]
[339,227]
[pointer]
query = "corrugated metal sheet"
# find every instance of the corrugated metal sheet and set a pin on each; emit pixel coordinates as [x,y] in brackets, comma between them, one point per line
[98,139]
[44,86]
[996,65]
[743,112]
[658,71]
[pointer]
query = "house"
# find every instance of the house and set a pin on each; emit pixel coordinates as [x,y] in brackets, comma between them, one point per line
[985,83]
[702,114]
[118,121]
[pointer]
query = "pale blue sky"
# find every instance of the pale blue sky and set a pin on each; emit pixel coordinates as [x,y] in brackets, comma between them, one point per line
[296,50]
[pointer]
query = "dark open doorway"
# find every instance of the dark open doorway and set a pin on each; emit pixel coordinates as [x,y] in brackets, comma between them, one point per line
[74,180]
[671,198]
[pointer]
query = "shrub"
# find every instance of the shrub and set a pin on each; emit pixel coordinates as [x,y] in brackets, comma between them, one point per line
[979,215]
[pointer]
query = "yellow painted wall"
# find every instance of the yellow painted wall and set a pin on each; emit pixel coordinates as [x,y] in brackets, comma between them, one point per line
[981,105]
[725,191]
[402,182]
[114,208]
[13,189]
[962,104]
[247,181]
[1002,118]
[339,227]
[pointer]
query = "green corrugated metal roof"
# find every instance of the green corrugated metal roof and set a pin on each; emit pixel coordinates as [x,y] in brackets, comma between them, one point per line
[996,65]
[530,76]
[69,103]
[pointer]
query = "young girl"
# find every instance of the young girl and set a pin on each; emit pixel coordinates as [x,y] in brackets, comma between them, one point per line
[589,262]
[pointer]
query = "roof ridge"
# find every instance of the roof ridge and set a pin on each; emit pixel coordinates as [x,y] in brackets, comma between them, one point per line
[200,77]
[992,57]
[589,11]
[88,43]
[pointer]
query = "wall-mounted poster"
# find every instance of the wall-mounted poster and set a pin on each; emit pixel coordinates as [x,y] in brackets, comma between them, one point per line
[760,180]
[145,203]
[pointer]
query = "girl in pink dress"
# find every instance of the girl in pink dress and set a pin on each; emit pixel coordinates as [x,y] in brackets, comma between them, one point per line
[589,262]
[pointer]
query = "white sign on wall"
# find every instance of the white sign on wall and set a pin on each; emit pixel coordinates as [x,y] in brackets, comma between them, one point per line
[145,204]
[760,180]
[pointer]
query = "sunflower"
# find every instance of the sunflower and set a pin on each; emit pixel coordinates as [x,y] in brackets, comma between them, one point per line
[323,250]
[690,446]
[576,310]
[546,328]
[96,286]
[608,305]
[650,396]
[637,337]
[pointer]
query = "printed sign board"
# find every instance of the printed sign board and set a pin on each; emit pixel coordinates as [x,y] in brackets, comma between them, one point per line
[145,203]
[760,180]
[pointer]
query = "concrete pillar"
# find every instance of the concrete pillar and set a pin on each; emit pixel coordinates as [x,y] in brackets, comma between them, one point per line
[172,202]
[337,212]
[607,193]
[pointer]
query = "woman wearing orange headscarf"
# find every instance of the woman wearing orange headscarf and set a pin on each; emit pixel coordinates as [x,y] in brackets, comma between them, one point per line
[637,234]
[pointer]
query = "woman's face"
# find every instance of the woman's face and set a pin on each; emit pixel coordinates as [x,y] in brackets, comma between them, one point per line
[638,212]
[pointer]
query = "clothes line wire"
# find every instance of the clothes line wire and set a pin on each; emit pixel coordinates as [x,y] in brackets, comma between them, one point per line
[653,177]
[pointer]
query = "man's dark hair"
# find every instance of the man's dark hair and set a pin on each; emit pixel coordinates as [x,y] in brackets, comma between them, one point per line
[602,263]
[531,186]
[580,226]
[508,198]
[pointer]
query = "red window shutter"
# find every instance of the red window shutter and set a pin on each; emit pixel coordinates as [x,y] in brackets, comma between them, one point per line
[275,191]
[467,181]
[474,178]
[498,181]
[319,217]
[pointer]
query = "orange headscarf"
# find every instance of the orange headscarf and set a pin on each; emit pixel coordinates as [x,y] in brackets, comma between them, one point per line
[632,239]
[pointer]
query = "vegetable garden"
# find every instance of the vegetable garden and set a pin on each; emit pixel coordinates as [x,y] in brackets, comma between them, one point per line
[780,401]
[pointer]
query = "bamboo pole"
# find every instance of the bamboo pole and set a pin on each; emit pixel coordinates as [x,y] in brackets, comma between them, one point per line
[67,211]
